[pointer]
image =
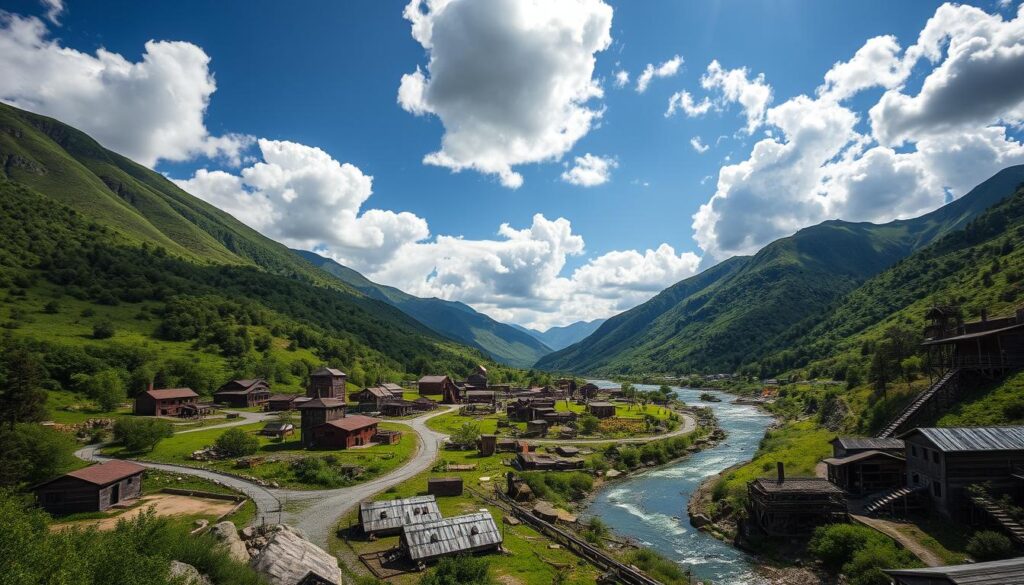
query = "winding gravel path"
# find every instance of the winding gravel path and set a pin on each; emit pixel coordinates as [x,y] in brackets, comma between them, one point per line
[315,513]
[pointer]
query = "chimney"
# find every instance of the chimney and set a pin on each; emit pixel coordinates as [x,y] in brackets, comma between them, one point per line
[984,314]
[782,471]
[150,386]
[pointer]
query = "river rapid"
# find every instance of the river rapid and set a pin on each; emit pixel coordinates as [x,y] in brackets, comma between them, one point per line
[650,507]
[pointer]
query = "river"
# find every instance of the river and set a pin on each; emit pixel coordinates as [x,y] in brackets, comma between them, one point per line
[650,507]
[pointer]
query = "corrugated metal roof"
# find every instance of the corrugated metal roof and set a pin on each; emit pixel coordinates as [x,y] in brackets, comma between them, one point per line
[1005,572]
[959,439]
[397,513]
[855,443]
[432,379]
[327,372]
[975,335]
[798,484]
[454,535]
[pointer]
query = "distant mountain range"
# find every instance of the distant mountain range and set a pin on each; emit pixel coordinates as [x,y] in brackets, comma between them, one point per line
[507,344]
[747,308]
[561,337]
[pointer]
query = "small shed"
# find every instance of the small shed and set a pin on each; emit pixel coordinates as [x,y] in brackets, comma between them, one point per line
[278,429]
[466,534]
[397,407]
[91,489]
[423,404]
[281,402]
[389,516]
[601,409]
[567,451]
[444,486]
[387,437]
[845,446]
[1002,572]
[537,427]
[487,444]
[867,472]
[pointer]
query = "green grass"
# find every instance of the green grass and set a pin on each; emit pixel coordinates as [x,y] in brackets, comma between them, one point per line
[1000,403]
[376,460]
[939,535]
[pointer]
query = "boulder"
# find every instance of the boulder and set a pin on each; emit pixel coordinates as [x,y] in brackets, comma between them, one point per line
[288,557]
[228,536]
[699,520]
[187,574]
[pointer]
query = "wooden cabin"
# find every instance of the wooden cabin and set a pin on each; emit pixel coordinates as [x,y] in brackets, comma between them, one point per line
[989,346]
[601,409]
[1004,572]
[444,486]
[344,433]
[165,401]
[442,386]
[389,516]
[448,537]
[867,472]
[537,428]
[423,404]
[397,407]
[326,383]
[91,489]
[480,397]
[282,402]
[243,393]
[943,462]
[846,446]
[373,397]
[794,506]
[547,462]
[588,391]
[316,412]
[478,379]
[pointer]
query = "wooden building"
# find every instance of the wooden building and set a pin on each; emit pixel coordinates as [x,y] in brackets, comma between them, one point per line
[196,410]
[547,462]
[344,433]
[793,507]
[601,409]
[567,386]
[537,428]
[243,393]
[387,437]
[316,412]
[1004,572]
[442,386]
[467,534]
[487,445]
[867,472]
[846,446]
[373,397]
[989,346]
[282,402]
[945,461]
[480,397]
[326,383]
[397,407]
[478,379]
[165,401]
[91,489]
[423,404]
[444,486]
[389,516]
[278,430]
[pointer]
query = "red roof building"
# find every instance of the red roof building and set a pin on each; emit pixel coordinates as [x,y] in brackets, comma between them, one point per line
[165,401]
[344,433]
[92,489]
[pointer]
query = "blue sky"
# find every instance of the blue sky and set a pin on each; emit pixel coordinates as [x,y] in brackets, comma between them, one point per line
[326,75]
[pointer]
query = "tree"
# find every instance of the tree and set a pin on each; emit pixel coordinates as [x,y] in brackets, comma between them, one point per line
[141,434]
[237,443]
[107,389]
[588,424]
[466,435]
[881,371]
[21,398]
[34,453]
[103,330]
[460,570]
[987,545]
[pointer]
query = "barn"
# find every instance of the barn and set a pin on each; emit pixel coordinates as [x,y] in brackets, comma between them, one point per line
[91,489]
[165,401]
[428,541]
[345,433]
[243,393]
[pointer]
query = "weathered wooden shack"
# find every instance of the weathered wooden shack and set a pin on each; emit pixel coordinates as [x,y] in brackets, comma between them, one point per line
[243,393]
[867,472]
[845,446]
[371,398]
[442,386]
[344,433]
[470,533]
[389,516]
[91,489]
[326,383]
[282,402]
[1004,572]
[945,461]
[794,506]
[316,412]
[478,379]
[547,462]
[164,401]
[444,486]
[397,407]
[601,409]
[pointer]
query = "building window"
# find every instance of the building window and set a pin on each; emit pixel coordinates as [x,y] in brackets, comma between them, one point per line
[916,479]
[935,456]
[937,489]
[913,450]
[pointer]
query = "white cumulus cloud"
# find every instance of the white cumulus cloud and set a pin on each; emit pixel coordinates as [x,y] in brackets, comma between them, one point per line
[698,145]
[736,86]
[621,78]
[148,110]
[590,170]
[683,100]
[666,69]
[510,80]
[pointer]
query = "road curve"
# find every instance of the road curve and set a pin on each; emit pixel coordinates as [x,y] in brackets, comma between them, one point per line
[314,512]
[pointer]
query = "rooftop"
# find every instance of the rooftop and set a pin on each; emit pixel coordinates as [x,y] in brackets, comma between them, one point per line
[167,393]
[797,485]
[432,379]
[854,443]
[109,472]
[390,514]
[323,403]
[963,439]
[988,573]
[840,461]
[326,372]
[451,535]
[353,423]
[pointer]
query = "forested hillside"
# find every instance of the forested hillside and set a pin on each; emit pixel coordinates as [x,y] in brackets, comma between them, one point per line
[745,309]
[457,321]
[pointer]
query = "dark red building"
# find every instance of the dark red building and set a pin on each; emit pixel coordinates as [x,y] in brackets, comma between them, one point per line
[243,393]
[442,386]
[165,401]
[92,489]
[343,433]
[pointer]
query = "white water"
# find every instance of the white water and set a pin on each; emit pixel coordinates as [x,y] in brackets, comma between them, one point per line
[650,507]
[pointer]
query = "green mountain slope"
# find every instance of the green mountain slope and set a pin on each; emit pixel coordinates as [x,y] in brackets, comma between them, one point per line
[175,277]
[457,321]
[562,337]
[750,311]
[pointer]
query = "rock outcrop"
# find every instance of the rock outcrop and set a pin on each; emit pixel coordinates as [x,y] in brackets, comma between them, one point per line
[227,534]
[187,574]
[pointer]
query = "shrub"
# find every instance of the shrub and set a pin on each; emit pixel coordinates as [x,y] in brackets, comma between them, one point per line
[237,443]
[987,545]
[865,568]
[588,424]
[141,434]
[316,471]
[460,570]
[834,545]
[662,569]
[103,330]
[33,453]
